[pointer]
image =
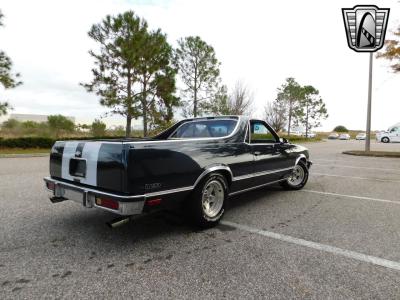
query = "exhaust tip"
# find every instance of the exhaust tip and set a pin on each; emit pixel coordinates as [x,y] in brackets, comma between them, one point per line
[57,199]
[118,222]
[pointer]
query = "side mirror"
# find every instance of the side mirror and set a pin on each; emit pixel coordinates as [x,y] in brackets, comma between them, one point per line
[283,140]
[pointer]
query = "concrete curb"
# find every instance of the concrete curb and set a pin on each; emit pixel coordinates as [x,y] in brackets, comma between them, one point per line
[373,153]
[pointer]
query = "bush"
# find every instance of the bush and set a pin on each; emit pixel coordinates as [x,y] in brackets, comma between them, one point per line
[40,142]
[10,124]
[59,123]
[98,128]
[340,128]
[27,142]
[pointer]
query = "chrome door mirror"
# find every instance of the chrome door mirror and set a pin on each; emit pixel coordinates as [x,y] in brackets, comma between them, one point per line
[283,140]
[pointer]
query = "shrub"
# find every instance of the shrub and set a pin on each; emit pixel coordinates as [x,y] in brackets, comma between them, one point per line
[27,142]
[340,128]
[98,128]
[59,123]
[41,142]
[10,124]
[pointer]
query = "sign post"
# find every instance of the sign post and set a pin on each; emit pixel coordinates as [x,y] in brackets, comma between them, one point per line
[368,137]
[365,27]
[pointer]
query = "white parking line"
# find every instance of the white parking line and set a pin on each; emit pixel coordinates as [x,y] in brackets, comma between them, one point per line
[355,167]
[317,246]
[354,177]
[350,196]
[347,159]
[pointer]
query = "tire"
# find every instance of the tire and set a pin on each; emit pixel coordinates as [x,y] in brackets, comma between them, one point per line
[385,140]
[298,179]
[206,206]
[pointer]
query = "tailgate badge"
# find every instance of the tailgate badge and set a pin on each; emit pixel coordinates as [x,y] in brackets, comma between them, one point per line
[152,186]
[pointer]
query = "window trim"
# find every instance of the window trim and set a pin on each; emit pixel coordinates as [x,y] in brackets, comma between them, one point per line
[170,138]
[277,139]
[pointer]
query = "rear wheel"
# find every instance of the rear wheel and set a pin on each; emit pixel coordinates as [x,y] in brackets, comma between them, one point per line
[207,205]
[298,178]
[385,140]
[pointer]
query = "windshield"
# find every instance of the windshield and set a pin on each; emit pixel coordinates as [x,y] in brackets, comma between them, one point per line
[205,129]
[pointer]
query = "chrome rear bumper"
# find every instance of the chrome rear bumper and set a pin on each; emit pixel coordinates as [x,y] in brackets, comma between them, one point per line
[89,197]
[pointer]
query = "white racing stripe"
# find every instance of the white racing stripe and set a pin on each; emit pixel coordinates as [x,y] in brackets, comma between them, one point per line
[350,196]
[317,246]
[354,177]
[68,153]
[90,153]
[354,167]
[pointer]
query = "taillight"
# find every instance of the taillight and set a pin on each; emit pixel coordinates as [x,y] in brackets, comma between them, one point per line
[153,202]
[107,202]
[50,185]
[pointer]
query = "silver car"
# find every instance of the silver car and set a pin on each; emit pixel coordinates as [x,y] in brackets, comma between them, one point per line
[344,136]
[361,136]
[333,136]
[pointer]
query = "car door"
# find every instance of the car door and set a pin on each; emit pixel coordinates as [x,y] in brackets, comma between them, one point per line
[270,162]
[395,134]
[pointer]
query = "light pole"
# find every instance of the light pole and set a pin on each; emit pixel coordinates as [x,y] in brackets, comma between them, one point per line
[368,137]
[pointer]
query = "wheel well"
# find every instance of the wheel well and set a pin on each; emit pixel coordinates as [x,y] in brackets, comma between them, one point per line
[303,160]
[226,174]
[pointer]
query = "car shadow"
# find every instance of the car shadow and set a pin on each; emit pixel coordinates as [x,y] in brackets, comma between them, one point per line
[89,226]
[248,198]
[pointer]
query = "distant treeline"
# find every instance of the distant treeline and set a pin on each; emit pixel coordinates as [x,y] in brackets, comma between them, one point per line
[57,126]
[41,142]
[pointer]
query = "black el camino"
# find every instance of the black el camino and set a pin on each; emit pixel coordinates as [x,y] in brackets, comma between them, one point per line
[196,164]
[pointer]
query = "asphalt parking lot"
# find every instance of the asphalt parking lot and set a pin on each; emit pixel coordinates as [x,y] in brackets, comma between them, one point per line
[337,238]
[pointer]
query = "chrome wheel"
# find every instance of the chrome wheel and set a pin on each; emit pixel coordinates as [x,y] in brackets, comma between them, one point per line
[297,176]
[212,198]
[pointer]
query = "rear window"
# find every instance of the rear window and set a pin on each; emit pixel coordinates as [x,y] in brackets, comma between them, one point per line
[205,129]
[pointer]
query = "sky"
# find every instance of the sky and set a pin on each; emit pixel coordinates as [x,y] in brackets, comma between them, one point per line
[258,42]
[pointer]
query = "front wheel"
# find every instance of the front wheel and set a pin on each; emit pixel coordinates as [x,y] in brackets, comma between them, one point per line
[298,178]
[207,205]
[385,140]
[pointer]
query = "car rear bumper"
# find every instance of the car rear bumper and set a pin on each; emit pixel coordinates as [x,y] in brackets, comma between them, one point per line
[92,198]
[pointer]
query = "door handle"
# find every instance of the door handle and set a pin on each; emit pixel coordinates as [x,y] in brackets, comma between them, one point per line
[256,153]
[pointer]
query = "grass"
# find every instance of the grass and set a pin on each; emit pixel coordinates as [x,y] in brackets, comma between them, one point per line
[300,139]
[291,139]
[373,153]
[23,151]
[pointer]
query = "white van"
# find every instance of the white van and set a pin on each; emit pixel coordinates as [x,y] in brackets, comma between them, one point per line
[390,135]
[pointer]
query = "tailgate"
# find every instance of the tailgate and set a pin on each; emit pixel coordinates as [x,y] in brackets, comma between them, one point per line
[94,163]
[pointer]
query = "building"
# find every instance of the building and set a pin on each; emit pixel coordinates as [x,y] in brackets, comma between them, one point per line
[34,118]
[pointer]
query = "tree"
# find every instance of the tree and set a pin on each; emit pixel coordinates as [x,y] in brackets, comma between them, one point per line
[290,94]
[133,73]
[276,115]
[238,102]
[84,127]
[312,108]
[221,102]
[7,78]
[340,128]
[59,123]
[241,99]
[157,79]
[98,128]
[392,51]
[199,71]
[10,124]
